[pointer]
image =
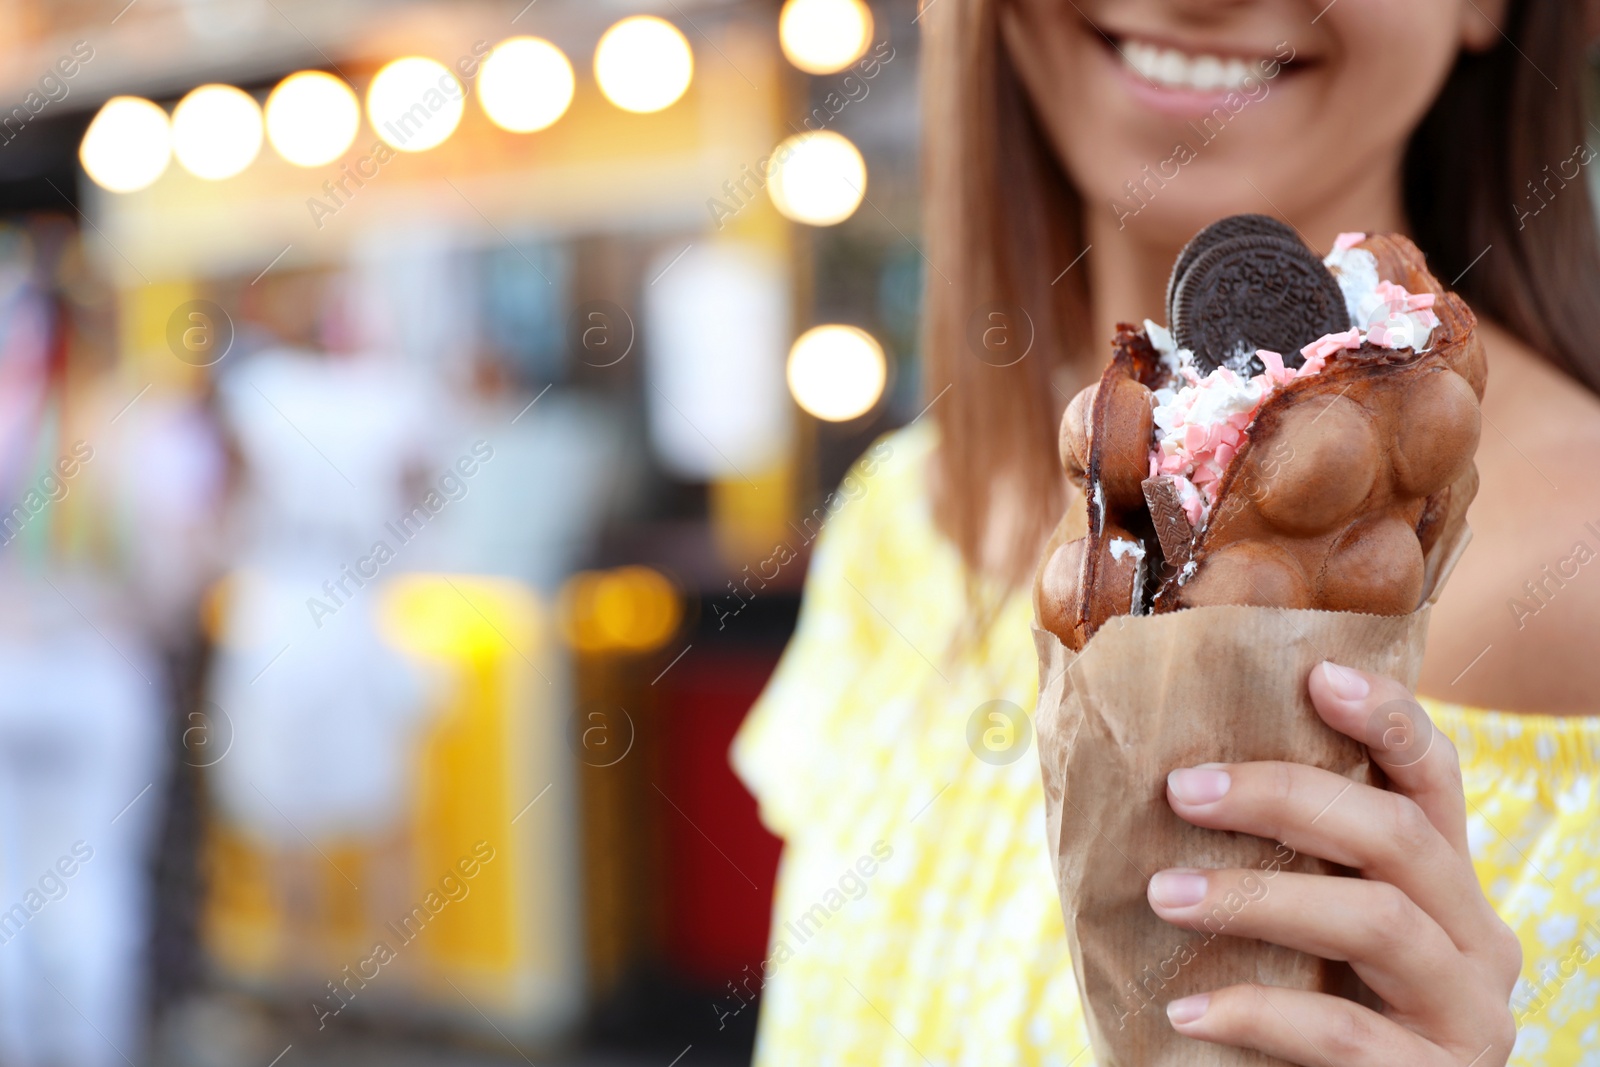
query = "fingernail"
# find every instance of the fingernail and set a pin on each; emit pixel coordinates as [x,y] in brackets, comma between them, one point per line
[1199,785]
[1185,1011]
[1178,888]
[1345,683]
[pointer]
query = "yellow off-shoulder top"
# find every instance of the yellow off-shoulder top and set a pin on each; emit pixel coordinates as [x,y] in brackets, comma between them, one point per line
[916,920]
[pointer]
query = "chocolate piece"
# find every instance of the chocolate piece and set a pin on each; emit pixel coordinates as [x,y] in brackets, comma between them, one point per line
[1217,233]
[1171,521]
[1255,292]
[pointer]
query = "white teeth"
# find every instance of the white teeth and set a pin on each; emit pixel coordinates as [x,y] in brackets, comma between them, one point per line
[1206,72]
[1179,70]
[1170,68]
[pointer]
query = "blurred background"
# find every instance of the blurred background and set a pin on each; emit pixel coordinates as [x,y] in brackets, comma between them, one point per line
[414,422]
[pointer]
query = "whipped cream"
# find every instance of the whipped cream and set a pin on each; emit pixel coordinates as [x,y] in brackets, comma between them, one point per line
[1121,547]
[1386,314]
[1200,426]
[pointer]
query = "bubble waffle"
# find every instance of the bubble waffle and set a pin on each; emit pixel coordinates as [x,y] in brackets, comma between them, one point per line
[1322,482]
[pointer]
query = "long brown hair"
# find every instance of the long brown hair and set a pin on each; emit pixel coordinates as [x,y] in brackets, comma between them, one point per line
[1485,169]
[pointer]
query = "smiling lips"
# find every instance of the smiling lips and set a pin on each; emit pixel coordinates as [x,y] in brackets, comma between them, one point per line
[1169,68]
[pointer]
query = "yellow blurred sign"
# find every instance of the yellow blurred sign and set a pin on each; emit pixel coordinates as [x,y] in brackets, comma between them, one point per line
[467,904]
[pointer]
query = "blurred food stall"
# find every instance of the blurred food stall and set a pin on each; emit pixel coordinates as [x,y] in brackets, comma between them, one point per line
[455,373]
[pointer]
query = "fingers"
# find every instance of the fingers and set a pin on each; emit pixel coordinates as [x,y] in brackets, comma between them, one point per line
[1419,761]
[1382,834]
[1312,1029]
[1398,951]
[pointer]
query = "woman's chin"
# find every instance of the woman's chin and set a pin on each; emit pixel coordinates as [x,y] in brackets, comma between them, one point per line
[1166,217]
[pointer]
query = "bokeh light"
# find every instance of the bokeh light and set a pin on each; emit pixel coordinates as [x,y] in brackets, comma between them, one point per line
[824,36]
[818,178]
[128,145]
[630,609]
[312,118]
[526,84]
[643,64]
[459,617]
[414,103]
[837,372]
[216,131]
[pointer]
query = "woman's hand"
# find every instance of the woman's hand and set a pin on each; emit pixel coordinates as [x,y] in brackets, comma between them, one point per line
[1415,925]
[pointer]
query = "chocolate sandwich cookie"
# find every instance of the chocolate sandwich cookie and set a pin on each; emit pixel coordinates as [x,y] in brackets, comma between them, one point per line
[1255,292]
[1219,232]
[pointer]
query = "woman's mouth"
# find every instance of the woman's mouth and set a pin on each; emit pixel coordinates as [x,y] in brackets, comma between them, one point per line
[1184,82]
[1201,72]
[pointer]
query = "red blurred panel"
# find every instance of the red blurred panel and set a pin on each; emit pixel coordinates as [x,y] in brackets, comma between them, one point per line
[715,845]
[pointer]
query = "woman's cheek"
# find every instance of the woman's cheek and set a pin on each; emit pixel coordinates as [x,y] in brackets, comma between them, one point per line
[1391,60]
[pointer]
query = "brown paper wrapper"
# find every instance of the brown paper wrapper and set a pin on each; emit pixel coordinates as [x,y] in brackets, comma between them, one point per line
[1146,696]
